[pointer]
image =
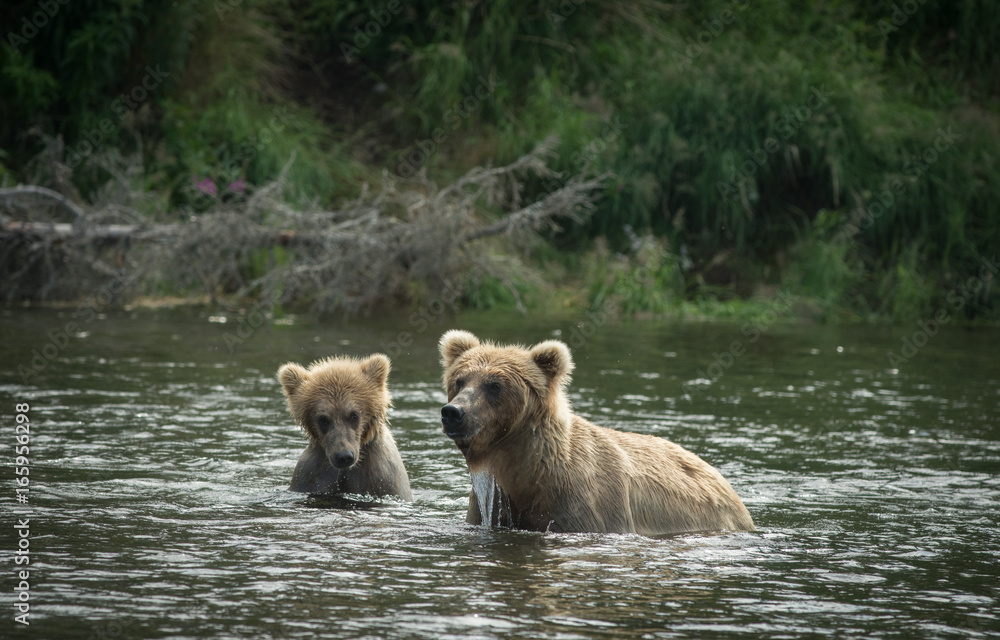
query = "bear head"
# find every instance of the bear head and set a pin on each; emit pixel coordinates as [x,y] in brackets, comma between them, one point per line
[499,392]
[339,402]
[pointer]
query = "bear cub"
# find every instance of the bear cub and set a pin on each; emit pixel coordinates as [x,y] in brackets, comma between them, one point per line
[341,404]
[536,465]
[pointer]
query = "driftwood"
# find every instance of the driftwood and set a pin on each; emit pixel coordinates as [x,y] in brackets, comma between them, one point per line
[370,251]
[60,231]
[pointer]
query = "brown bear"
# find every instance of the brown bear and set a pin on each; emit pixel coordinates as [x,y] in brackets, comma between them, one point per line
[341,404]
[537,466]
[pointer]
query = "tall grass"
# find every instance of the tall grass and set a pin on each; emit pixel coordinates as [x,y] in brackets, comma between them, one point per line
[821,146]
[740,124]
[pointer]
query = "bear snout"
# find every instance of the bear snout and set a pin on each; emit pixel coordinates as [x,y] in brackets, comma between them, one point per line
[452,417]
[343,459]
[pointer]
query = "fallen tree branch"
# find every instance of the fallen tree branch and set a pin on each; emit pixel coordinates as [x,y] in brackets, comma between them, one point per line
[370,252]
[25,190]
[565,201]
[61,231]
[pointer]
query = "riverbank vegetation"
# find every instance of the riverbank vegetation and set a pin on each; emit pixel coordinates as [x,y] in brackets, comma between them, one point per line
[840,153]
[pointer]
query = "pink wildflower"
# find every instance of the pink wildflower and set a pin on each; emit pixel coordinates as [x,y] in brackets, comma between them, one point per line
[205,186]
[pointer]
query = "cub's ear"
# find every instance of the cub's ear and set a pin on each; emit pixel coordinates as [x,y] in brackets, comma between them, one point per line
[454,343]
[291,376]
[377,369]
[553,358]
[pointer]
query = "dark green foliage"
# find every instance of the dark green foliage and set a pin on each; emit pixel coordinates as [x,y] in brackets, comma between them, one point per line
[846,150]
[62,64]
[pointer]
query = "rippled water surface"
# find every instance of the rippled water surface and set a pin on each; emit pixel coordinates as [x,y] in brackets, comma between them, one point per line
[160,457]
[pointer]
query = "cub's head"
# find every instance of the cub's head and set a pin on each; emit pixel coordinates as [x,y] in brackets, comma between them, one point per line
[494,390]
[339,402]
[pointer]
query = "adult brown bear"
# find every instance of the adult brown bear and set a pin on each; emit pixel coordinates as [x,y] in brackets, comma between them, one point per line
[535,465]
[341,404]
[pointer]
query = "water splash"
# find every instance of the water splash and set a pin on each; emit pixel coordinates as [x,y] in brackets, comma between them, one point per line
[825,526]
[484,484]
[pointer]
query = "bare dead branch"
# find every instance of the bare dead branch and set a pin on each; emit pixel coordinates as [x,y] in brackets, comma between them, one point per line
[26,190]
[367,253]
[567,201]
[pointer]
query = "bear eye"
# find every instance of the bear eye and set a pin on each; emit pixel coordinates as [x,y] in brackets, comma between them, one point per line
[354,417]
[323,422]
[459,384]
[494,387]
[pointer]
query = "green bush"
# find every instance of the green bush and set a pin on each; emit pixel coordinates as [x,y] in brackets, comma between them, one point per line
[846,149]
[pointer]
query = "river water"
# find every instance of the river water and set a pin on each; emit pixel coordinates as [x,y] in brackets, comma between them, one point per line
[160,451]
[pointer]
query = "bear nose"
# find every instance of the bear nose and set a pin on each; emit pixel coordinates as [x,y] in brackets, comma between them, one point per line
[343,459]
[452,415]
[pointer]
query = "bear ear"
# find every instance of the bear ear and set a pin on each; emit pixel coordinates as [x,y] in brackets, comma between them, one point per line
[291,376]
[454,343]
[553,358]
[377,369]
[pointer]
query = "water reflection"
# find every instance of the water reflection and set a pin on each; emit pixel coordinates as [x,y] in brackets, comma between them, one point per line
[160,462]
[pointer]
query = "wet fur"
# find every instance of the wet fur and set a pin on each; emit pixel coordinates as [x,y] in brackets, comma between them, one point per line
[556,471]
[335,388]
